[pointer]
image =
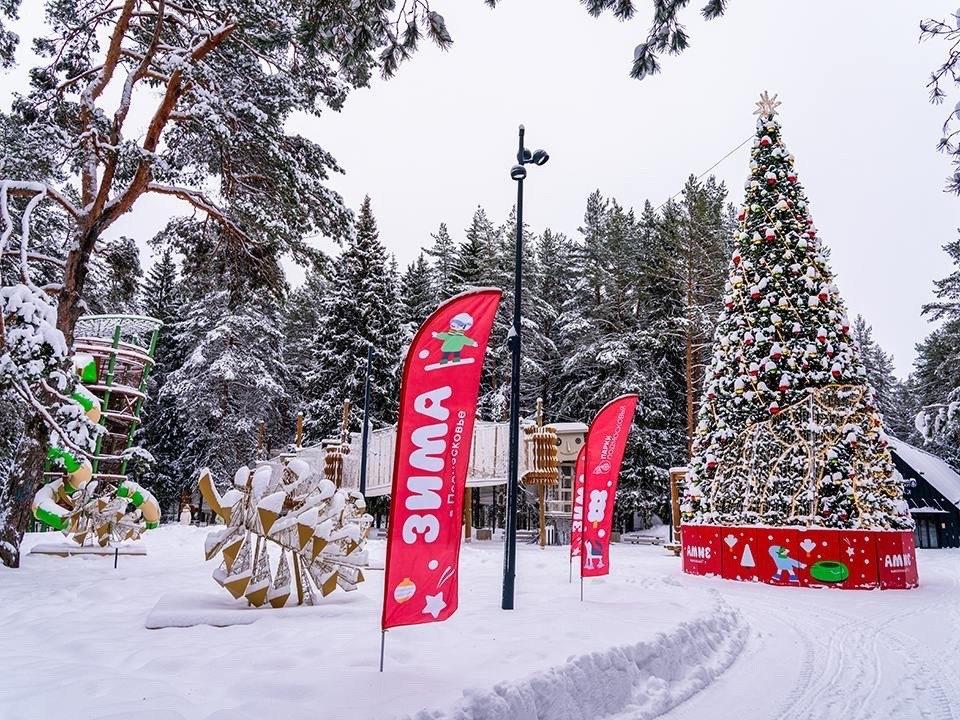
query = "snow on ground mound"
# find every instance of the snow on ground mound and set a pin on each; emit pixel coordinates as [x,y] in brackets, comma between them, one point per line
[633,681]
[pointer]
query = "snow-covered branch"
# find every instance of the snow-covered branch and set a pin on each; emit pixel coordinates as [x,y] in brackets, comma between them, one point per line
[200,201]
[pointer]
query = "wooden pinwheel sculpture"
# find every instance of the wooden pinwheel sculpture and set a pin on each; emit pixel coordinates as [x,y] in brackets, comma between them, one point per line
[318,530]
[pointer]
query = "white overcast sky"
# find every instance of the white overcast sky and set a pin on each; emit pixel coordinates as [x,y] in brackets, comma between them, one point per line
[431,144]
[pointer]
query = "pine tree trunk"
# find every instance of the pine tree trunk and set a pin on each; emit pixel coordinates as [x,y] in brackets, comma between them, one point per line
[70,297]
[21,484]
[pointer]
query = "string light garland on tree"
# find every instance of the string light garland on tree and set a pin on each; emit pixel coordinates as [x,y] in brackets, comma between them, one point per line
[788,433]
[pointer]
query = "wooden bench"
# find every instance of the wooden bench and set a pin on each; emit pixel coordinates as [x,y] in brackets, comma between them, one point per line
[641,539]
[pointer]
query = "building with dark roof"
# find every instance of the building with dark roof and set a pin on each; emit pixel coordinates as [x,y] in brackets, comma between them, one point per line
[932,491]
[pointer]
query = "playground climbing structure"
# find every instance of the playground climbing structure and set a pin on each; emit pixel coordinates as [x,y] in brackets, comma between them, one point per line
[92,500]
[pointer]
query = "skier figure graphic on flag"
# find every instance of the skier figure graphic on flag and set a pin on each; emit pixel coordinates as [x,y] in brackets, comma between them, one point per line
[454,341]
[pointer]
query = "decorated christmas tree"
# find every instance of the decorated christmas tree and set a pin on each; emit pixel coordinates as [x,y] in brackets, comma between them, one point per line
[788,433]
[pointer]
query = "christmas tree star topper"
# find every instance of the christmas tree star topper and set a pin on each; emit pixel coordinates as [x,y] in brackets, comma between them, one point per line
[767,106]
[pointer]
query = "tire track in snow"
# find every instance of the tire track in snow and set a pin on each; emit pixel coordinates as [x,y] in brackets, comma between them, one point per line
[863,656]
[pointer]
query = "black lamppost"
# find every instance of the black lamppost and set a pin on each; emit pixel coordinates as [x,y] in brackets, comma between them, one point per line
[518,172]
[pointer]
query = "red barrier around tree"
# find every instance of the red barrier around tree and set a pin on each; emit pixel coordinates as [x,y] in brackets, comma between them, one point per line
[801,557]
[897,561]
[701,549]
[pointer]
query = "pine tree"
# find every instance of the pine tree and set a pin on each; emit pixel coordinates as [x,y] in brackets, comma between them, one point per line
[418,294]
[937,367]
[494,400]
[302,316]
[361,307]
[788,432]
[877,363]
[550,289]
[476,255]
[160,292]
[227,373]
[114,283]
[160,432]
[446,282]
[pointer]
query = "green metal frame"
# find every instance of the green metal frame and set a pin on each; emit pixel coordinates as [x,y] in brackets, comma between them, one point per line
[111,368]
[147,368]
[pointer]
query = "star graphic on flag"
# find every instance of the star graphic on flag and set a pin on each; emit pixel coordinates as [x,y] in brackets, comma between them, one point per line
[851,552]
[435,605]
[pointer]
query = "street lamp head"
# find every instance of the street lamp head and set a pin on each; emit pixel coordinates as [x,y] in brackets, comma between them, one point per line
[518,172]
[540,157]
[524,156]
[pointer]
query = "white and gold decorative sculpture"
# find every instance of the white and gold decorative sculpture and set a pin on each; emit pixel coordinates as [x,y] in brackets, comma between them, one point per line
[317,530]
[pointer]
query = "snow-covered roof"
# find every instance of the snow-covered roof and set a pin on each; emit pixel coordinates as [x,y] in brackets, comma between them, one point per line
[931,468]
[569,427]
[926,509]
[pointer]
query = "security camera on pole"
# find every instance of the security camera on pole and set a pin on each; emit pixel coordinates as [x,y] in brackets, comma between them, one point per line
[518,172]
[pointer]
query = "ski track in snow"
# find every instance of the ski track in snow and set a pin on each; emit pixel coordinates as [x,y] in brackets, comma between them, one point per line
[816,654]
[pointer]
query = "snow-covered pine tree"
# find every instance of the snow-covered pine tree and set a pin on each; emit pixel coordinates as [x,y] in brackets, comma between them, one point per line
[361,307]
[476,254]
[897,400]
[608,349]
[937,367]
[549,288]
[877,363]
[115,273]
[494,400]
[418,295]
[600,324]
[232,375]
[302,316]
[160,433]
[479,263]
[443,252]
[160,291]
[788,433]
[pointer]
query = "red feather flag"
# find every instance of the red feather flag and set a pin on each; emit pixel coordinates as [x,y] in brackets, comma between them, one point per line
[606,443]
[438,403]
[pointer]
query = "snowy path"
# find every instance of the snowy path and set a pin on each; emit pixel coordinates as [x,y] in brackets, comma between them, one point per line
[819,655]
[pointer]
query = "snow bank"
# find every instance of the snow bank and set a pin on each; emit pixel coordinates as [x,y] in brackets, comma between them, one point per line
[636,681]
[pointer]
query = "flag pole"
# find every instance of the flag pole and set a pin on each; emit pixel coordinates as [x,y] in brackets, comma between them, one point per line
[583,511]
[383,640]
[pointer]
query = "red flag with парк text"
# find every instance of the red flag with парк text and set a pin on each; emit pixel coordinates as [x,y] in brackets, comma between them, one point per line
[606,443]
[576,519]
[438,403]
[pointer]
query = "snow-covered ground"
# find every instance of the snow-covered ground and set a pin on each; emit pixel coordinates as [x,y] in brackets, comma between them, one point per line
[646,642]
